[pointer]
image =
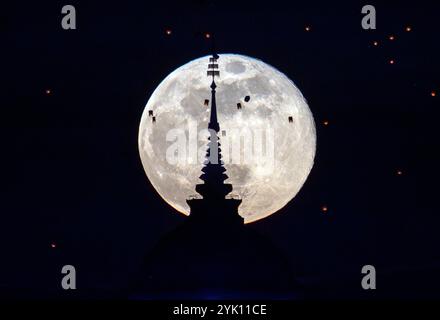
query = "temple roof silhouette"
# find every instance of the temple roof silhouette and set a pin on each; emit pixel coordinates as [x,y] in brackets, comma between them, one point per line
[213,252]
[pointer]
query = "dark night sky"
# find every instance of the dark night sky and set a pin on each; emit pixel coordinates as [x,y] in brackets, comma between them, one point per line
[71,173]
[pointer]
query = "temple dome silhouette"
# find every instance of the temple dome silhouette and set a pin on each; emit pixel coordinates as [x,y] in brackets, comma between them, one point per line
[213,254]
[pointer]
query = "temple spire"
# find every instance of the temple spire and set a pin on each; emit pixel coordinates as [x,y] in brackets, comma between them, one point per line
[213,171]
[213,71]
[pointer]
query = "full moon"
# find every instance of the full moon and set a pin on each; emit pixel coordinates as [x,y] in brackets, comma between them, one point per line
[252,97]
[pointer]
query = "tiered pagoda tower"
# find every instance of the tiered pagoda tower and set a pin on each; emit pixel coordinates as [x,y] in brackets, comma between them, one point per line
[213,189]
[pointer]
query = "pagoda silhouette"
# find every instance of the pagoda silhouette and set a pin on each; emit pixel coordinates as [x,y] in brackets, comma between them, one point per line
[213,254]
[214,204]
